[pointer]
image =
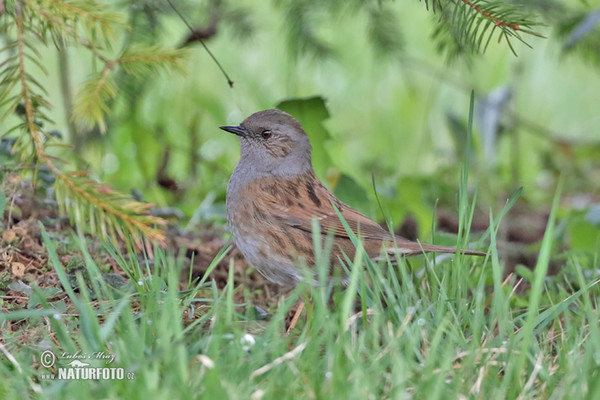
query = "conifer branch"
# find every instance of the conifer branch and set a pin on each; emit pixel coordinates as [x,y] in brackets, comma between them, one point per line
[497,20]
[101,201]
[98,208]
[467,26]
[29,110]
[63,17]
[91,102]
[143,60]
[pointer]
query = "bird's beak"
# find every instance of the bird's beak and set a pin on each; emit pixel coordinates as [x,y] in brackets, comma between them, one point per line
[236,130]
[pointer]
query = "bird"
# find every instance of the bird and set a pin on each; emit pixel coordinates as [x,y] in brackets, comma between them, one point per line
[273,197]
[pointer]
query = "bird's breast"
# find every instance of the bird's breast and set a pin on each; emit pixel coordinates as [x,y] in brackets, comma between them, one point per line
[262,240]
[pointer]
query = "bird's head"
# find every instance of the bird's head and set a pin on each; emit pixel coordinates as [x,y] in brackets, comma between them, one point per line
[273,141]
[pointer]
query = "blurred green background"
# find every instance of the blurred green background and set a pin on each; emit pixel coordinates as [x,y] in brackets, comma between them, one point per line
[380,103]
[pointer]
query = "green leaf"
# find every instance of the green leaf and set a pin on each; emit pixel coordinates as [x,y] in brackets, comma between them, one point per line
[351,193]
[409,198]
[39,294]
[311,112]
[524,272]
[2,202]
[584,233]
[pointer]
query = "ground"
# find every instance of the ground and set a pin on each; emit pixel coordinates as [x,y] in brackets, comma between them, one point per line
[24,260]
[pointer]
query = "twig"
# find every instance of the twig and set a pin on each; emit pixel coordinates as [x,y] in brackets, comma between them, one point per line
[229,81]
[497,21]
[536,369]
[279,360]
[11,358]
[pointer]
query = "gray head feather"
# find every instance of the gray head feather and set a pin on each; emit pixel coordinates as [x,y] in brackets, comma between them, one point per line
[272,143]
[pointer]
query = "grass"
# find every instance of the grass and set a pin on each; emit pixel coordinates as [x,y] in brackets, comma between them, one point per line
[433,328]
[428,328]
[419,330]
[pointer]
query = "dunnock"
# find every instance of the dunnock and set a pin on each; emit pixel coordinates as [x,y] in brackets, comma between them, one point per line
[274,194]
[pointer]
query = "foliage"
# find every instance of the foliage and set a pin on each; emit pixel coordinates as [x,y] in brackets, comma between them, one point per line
[463,27]
[426,329]
[312,112]
[29,24]
[429,328]
[129,42]
[468,26]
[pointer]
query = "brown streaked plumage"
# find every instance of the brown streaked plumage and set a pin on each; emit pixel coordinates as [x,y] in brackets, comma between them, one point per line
[274,195]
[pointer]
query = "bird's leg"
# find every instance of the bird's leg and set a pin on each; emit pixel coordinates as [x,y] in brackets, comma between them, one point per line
[295,318]
[306,304]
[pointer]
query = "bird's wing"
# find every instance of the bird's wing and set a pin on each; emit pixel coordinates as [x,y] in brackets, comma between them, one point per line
[329,222]
[313,200]
[298,201]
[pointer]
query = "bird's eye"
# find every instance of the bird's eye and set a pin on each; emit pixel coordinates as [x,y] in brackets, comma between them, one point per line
[266,134]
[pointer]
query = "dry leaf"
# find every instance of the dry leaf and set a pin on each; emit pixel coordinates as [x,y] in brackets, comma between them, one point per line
[17,269]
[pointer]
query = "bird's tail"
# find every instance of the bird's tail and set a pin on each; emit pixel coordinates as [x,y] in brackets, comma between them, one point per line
[408,248]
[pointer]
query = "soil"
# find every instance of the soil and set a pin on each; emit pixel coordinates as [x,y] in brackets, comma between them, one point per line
[24,260]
